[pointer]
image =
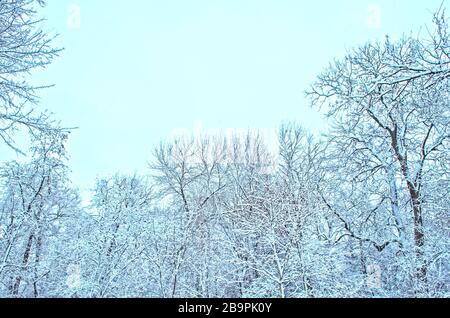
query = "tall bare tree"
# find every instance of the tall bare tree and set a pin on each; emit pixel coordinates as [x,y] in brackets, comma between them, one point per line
[390,106]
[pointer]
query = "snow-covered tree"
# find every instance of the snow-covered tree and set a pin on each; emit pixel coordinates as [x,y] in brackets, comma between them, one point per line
[24,47]
[390,108]
[37,201]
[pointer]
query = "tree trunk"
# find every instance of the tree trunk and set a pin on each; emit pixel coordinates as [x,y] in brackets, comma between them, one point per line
[26,256]
[419,240]
[414,194]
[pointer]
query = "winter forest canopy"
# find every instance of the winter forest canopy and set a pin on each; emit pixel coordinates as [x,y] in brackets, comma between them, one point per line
[362,211]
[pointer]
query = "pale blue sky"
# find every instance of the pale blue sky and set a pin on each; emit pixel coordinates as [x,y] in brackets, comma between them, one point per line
[136,70]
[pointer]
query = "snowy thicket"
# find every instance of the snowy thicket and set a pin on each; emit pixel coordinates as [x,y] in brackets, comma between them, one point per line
[361,212]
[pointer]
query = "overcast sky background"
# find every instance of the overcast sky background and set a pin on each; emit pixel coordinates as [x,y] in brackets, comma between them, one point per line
[135,71]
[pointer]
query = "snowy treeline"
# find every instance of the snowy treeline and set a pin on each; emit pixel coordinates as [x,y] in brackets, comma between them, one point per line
[360,212]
